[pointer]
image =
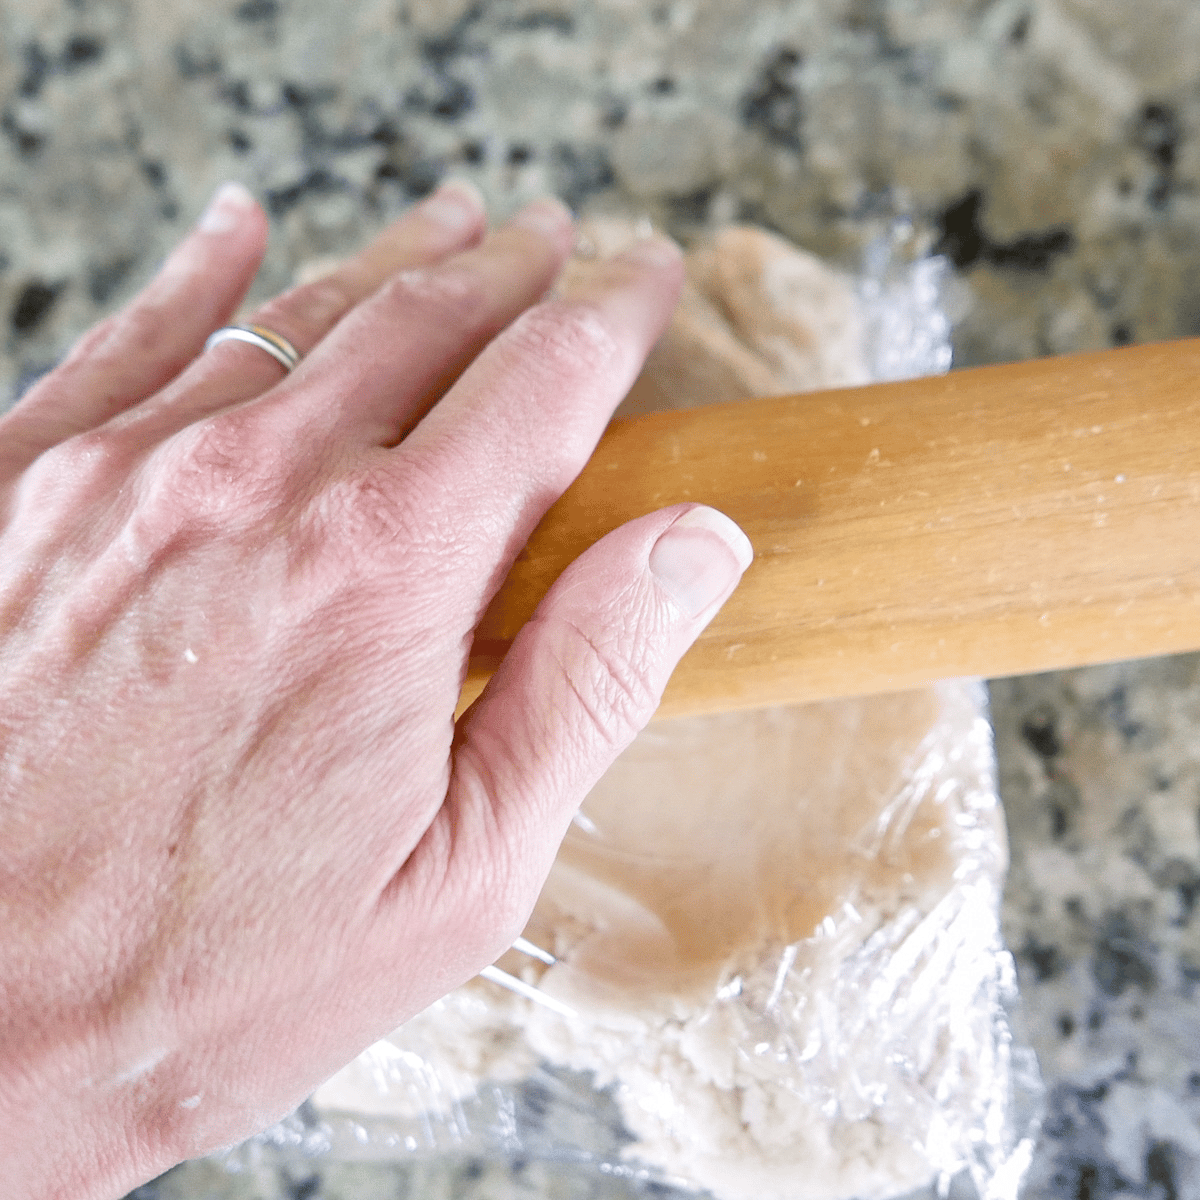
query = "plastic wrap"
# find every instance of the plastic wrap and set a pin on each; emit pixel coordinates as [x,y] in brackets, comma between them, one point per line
[778,932]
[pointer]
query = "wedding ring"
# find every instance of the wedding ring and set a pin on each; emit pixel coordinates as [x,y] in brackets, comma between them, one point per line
[277,346]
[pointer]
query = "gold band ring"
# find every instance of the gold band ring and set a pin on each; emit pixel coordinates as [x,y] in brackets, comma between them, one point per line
[277,346]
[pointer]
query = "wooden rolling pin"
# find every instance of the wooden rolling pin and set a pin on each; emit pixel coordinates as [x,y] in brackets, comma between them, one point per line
[994,521]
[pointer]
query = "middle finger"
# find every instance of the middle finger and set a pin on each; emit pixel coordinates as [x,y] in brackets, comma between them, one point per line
[389,361]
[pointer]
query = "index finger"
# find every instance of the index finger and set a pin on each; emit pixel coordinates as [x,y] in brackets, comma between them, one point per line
[520,423]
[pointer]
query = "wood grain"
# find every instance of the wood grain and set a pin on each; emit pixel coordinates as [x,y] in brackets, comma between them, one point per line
[995,521]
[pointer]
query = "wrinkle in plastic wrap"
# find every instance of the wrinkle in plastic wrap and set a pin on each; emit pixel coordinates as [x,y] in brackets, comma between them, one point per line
[778,931]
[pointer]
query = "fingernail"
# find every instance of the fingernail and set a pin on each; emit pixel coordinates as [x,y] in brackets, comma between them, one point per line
[547,216]
[456,205]
[653,251]
[700,558]
[226,210]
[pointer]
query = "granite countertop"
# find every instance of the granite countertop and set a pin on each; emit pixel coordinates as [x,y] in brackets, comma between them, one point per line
[1047,147]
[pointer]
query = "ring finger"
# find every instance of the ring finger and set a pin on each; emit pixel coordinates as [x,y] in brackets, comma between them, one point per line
[116,370]
[450,220]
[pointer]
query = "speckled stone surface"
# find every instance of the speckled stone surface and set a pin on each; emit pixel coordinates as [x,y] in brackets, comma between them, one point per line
[1100,775]
[1048,147]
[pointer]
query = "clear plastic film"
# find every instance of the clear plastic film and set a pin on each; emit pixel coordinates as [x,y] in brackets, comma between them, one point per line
[777,931]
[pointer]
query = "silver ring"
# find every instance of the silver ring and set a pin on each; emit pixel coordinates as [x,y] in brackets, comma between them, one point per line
[277,346]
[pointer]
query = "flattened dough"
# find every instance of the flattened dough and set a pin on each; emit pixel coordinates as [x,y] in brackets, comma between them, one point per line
[777,929]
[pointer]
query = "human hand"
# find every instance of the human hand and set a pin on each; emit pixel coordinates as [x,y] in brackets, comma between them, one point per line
[241,835]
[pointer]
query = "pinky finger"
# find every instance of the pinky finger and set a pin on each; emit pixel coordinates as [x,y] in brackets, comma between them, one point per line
[132,354]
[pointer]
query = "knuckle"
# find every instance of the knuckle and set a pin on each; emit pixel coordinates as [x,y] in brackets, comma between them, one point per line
[92,343]
[612,684]
[135,330]
[368,514]
[311,308]
[563,354]
[453,294]
[362,510]
[569,340]
[140,327]
[222,470]
[74,470]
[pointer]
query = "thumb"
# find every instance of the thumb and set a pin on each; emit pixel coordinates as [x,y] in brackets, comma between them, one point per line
[587,672]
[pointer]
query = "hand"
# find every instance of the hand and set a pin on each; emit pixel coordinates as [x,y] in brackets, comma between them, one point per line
[241,835]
